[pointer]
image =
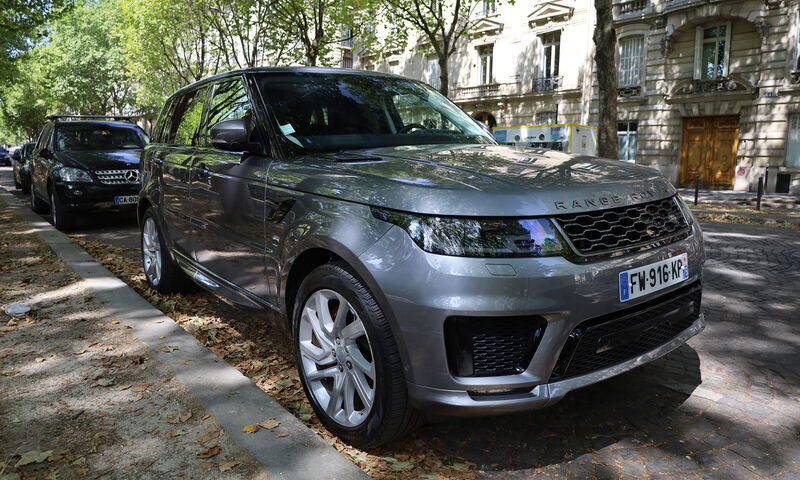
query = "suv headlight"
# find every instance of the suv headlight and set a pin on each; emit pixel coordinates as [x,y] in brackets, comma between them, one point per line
[478,237]
[69,174]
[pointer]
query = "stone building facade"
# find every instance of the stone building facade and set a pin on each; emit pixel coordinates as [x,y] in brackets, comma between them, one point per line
[707,89]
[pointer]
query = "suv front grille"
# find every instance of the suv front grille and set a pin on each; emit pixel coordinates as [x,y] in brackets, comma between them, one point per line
[489,346]
[118,177]
[605,341]
[593,233]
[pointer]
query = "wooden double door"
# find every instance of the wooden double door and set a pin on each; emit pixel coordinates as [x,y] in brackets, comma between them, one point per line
[709,150]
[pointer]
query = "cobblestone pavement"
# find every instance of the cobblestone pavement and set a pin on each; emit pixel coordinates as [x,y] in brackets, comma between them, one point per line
[724,406]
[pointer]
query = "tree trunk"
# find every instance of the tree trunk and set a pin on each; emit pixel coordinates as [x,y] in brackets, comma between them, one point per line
[444,75]
[605,42]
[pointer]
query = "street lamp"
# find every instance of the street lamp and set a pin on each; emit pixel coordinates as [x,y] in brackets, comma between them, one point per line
[557,97]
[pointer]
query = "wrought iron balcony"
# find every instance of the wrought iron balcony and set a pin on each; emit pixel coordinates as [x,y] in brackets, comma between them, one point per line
[547,84]
[484,91]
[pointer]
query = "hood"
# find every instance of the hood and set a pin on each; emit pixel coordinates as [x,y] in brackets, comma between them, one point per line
[473,180]
[101,159]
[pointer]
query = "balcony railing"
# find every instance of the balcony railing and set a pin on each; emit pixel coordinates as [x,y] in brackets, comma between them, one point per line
[632,6]
[547,84]
[488,90]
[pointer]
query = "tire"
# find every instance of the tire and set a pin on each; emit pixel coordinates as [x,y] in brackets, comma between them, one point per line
[37,205]
[17,183]
[60,217]
[320,345]
[161,272]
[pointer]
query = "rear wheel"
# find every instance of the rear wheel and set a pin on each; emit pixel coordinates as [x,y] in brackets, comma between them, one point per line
[37,205]
[349,363]
[59,216]
[162,273]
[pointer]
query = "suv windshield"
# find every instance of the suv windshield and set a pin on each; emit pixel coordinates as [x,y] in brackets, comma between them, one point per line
[330,112]
[98,137]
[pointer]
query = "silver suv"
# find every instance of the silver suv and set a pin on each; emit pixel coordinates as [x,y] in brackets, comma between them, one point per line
[421,266]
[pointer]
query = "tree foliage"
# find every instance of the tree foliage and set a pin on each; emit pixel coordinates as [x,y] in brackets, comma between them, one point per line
[25,101]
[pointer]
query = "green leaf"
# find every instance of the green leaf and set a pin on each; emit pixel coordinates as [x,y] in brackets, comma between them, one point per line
[284,383]
[34,456]
[400,466]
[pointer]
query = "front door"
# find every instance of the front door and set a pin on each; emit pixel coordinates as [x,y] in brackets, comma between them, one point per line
[709,150]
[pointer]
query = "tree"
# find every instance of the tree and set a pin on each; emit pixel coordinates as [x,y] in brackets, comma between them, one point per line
[605,43]
[85,62]
[25,101]
[168,45]
[442,22]
[320,25]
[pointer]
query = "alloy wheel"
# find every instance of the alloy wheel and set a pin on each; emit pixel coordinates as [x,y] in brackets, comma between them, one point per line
[151,251]
[337,358]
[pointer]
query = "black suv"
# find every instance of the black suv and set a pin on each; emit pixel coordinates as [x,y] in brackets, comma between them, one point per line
[85,163]
[22,176]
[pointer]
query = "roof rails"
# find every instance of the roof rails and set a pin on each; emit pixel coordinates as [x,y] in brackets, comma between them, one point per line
[90,117]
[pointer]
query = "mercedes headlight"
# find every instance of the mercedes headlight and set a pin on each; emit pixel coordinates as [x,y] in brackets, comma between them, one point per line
[69,174]
[478,237]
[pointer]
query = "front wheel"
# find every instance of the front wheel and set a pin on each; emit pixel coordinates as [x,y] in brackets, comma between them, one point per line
[59,216]
[37,205]
[162,273]
[348,359]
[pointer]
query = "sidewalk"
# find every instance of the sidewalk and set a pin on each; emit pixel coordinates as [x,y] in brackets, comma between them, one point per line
[732,199]
[96,383]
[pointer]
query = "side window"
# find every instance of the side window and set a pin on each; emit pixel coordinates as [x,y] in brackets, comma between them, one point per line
[159,132]
[44,137]
[187,118]
[230,101]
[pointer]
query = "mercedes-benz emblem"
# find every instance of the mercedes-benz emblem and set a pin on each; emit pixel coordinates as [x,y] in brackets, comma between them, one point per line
[132,176]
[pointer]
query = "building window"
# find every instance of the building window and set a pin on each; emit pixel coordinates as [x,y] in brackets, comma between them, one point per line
[489,7]
[485,63]
[545,118]
[347,58]
[434,73]
[347,37]
[394,67]
[793,142]
[551,51]
[797,42]
[626,136]
[712,52]
[631,54]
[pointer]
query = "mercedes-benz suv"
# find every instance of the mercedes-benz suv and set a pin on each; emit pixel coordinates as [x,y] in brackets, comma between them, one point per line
[420,266]
[83,164]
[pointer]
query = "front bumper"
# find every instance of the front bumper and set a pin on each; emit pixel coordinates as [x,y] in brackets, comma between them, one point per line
[424,290]
[95,197]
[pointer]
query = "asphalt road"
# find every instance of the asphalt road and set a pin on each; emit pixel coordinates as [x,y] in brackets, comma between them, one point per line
[727,405]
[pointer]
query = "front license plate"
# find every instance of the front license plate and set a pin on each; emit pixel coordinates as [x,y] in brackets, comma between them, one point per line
[125,200]
[641,281]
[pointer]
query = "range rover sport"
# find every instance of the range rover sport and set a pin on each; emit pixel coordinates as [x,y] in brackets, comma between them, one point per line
[420,266]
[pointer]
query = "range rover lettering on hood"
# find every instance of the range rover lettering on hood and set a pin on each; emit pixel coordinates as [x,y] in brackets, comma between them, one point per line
[611,200]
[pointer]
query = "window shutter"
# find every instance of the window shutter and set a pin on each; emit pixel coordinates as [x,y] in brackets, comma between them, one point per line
[727,49]
[698,52]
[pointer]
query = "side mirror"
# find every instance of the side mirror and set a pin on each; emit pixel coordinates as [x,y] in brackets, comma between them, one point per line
[229,135]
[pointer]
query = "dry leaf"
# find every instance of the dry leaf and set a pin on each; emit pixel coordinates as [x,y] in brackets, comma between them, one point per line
[123,387]
[108,348]
[269,423]
[105,382]
[137,398]
[80,352]
[281,434]
[205,465]
[225,466]
[114,322]
[182,417]
[175,433]
[205,416]
[168,348]
[250,429]
[39,359]
[209,436]
[209,452]
[140,388]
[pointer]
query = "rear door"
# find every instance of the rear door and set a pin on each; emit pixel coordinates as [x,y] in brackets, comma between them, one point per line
[228,196]
[38,168]
[182,136]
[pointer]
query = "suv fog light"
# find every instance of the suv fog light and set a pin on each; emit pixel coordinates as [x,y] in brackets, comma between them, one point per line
[77,193]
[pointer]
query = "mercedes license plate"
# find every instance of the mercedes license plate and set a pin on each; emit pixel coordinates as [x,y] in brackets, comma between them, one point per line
[126,199]
[640,281]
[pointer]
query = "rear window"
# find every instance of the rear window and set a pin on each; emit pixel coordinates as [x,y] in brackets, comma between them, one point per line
[98,137]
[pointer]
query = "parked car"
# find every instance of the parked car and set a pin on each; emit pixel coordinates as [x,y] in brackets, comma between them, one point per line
[85,164]
[420,266]
[5,158]
[22,177]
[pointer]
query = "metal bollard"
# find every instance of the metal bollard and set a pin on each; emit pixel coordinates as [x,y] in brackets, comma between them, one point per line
[696,188]
[760,192]
[766,179]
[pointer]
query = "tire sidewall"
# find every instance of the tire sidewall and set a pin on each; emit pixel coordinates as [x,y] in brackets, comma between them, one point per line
[331,277]
[149,214]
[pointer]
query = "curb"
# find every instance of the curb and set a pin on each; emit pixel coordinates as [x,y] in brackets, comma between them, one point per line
[227,394]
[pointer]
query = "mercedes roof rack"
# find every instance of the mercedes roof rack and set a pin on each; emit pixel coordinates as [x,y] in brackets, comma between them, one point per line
[90,117]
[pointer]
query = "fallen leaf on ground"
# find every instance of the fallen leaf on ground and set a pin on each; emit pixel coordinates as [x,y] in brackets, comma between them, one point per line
[140,388]
[39,359]
[93,344]
[284,383]
[34,456]
[269,423]
[175,433]
[209,452]
[138,360]
[182,417]
[108,348]
[114,322]
[123,387]
[250,429]
[80,352]
[168,348]
[225,466]
[205,465]
[205,416]
[281,434]
[137,398]
[208,436]
[105,382]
